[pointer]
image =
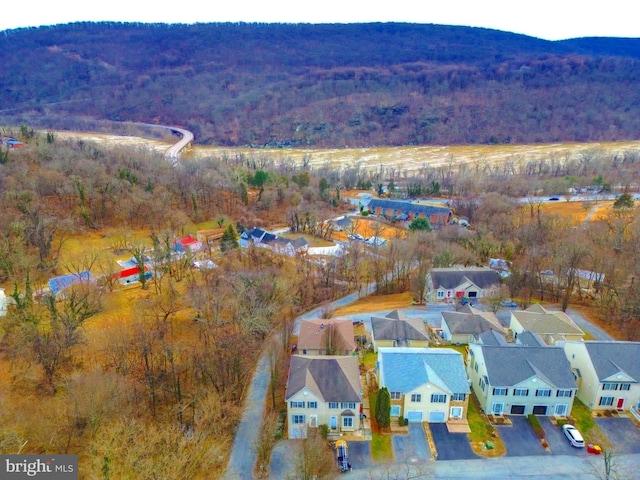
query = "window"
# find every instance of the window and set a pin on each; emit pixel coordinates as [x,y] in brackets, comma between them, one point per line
[295,404]
[312,404]
[347,422]
[350,405]
[520,392]
[605,401]
[609,386]
[297,419]
[625,386]
[333,405]
[500,391]
[564,393]
[459,397]
[543,392]
[476,367]
[395,410]
[416,397]
[438,398]
[440,294]
[481,383]
[560,410]
[395,395]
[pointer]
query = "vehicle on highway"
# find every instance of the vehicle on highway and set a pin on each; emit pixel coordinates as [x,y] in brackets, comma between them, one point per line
[574,436]
[508,304]
[356,236]
[554,199]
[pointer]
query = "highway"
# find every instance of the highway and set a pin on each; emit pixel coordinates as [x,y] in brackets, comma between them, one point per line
[173,152]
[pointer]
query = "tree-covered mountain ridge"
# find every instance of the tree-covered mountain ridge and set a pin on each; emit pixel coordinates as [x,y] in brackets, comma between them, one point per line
[326,85]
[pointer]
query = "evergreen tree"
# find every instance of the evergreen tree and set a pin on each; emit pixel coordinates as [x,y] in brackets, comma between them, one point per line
[229,239]
[383,408]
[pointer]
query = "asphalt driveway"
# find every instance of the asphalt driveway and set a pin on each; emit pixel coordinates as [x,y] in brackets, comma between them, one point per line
[558,443]
[622,433]
[520,439]
[360,455]
[411,447]
[451,446]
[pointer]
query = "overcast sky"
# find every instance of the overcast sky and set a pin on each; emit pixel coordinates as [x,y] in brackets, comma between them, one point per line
[547,19]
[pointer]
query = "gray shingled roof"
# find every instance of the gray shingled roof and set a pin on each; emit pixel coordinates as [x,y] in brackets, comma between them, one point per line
[465,323]
[609,358]
[542,321]
[530,339]
[334,379]
[407,207]
[490,337]
[450,278]
[396,325]
[511,364]
[404,369]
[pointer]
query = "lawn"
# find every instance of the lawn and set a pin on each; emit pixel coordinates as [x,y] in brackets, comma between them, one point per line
[482,432]
[582,418]
[377,303]
[381,447]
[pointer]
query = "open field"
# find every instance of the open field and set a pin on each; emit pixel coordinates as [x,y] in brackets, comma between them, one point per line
[403,159]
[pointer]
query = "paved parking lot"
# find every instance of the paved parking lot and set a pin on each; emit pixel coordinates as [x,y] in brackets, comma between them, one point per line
[451,446]
[622,433]
[520,439]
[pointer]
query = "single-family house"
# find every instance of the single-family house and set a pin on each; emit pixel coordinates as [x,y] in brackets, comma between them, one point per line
[323,390]
[461,326]
[396,329]
[59,285]
[282,245]
[326,337]
[189,243]
[425,384]
[131,276]
[519,380]
[552,326]
[341,224]
[447,284]
[608,374]
[438,215]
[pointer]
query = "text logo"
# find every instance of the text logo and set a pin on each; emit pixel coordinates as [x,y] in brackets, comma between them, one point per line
[45,467]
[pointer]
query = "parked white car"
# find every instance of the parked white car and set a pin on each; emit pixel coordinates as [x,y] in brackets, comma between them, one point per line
[574,436]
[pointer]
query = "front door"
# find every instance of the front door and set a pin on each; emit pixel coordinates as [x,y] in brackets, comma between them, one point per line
[333,423]
[620,404]
[313,421]
[497,408]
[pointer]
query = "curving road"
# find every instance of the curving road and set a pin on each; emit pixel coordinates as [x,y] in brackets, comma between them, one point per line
[174,150]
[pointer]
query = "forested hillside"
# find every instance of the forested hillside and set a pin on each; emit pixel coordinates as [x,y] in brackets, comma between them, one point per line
[323,85]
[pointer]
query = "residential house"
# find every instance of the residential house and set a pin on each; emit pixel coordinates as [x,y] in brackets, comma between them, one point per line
[341,224]
[188,243]
[459,282]
[608,374]
[519,380]
[323,390]
[261,238]
[131,276]
[396,329]
[460,327]
[438,215]
[425,384]
[326,337]
[59,285]
[552,326]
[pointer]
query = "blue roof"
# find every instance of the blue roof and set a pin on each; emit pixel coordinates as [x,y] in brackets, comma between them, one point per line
[58,284]
[405,369]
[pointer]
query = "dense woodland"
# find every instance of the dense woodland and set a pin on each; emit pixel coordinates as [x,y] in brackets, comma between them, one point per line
[323,85]
[172,368]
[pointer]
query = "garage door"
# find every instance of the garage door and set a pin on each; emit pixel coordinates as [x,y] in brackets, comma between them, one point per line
[539,409]
[436,417]
[414,416]
[517,409]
